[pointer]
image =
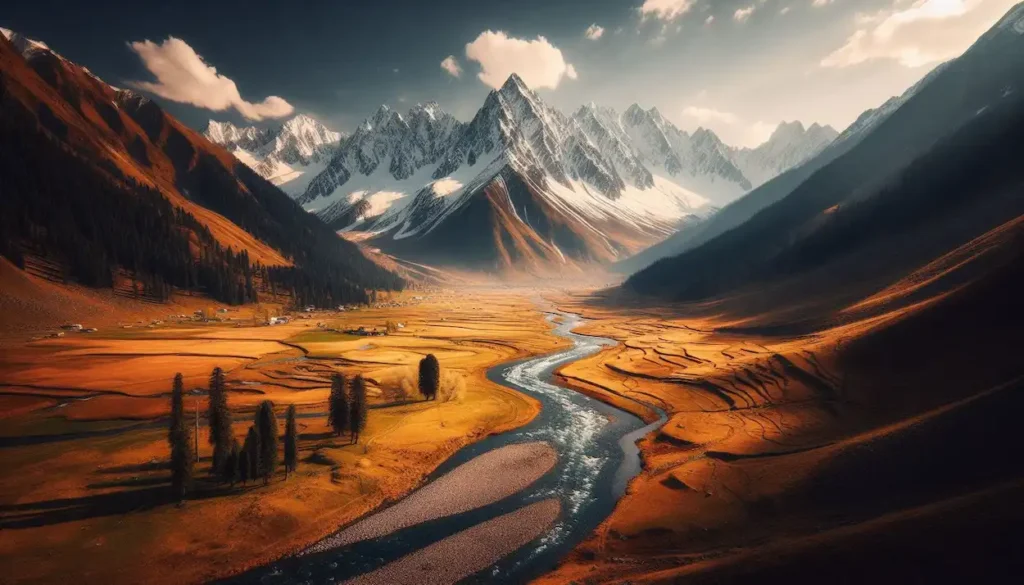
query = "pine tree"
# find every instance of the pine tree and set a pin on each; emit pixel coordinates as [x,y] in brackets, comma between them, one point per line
[291,442]
[266,425]
[357,418]
[251,455]
[220,422]
[179,438]
[232,464]
[430,376]
[337,408]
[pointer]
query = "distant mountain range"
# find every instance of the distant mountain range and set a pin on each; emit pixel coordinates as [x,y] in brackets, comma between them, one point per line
[909,182]
[531,187]
[288,156]
[696,233]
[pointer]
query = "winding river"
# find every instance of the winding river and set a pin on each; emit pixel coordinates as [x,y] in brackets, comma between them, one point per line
[597,456]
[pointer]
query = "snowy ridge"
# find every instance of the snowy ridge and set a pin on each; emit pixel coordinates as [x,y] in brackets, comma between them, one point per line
[30,47]
[289,156]
[615,181]
[790,145]
[407,174]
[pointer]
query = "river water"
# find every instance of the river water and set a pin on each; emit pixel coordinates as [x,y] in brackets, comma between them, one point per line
[597,456]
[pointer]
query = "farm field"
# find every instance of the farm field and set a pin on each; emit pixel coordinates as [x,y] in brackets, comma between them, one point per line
[85,451]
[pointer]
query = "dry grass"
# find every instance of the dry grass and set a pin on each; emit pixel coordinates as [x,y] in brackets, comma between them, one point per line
[96,506]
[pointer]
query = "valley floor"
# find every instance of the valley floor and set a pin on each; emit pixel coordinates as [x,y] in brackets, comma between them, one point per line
[884,449]
[882,446]
[84,449]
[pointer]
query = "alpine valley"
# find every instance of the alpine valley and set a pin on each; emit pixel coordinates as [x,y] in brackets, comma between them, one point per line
[522,187]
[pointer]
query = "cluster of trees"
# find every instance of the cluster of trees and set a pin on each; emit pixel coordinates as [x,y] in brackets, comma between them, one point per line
[346,409]
[257,458]
[95,220]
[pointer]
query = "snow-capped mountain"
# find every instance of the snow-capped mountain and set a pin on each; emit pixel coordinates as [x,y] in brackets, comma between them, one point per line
[789,145]
[544,187]
[382,165]
[699,162]
[289,156]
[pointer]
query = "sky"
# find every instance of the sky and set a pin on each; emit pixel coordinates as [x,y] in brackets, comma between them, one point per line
[738,67]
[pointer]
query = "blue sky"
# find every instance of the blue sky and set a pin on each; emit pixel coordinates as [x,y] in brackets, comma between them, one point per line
[737,66]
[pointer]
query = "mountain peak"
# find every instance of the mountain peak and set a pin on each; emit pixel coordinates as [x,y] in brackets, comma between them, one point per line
[513,82]
[382,115]
[634,109]
[430,109]
[788,131]
[23,44]
[302,119]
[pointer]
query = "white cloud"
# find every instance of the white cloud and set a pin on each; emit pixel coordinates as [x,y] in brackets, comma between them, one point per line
[924,32]
[594,32]
[183,76]
[709,19]
[820,3]
[665,9]
[732,129]
[785,10]
[451,65]
[537,62]
[742,14]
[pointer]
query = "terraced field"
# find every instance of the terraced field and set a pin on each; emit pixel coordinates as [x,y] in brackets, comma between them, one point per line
[84,439]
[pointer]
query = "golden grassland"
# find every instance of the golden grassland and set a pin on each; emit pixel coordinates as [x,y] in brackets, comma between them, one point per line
[88,496]
[775,436]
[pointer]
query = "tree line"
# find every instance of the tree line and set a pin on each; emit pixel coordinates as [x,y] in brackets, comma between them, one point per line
[94,220]
[257,457]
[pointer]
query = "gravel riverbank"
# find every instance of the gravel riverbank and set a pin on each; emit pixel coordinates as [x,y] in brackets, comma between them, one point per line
[467,552]
[486,479]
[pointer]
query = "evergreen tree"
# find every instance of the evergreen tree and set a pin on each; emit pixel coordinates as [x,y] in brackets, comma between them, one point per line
[232,464]
[266,425]
[251,455]
[179,438]
[357,418]
[337,408]
[430,376]
[219,417]
[291,442]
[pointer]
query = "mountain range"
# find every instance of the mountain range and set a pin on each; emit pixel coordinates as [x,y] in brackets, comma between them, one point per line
[530,186]
[103,183]
[929,171]
[288,156]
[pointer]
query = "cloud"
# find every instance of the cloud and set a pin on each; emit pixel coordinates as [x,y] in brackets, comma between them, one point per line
[451,65]
[921,33]
[733,130]
[183,76]
[785,10]
[537,62]
[594,32]
[820,3]
[665,9]
[743,14]
[709,19]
